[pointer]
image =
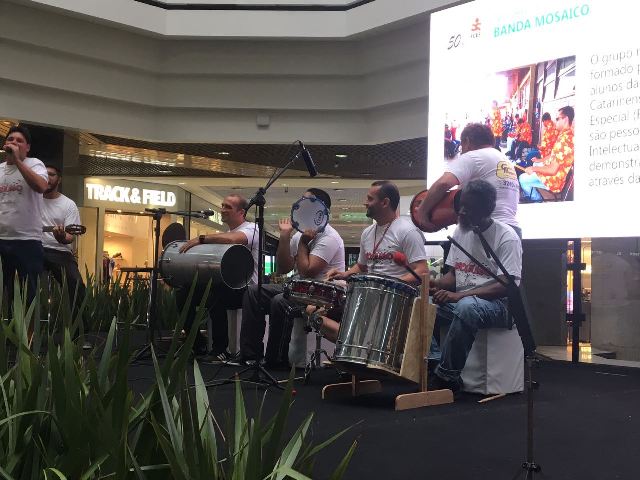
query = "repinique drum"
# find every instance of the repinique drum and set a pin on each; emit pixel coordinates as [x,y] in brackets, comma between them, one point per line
[309,213]
[375,321]
[230,265]
[315,292]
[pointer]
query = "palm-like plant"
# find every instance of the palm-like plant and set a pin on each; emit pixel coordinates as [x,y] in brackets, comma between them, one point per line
[67,415]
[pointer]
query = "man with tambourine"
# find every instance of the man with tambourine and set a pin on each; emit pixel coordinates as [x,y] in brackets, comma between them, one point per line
[312,251]
[58,212]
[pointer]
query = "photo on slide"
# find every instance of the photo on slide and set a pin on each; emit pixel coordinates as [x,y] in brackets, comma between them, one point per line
[530,110]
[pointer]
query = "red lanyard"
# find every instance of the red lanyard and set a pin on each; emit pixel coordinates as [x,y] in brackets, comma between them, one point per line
[375,233]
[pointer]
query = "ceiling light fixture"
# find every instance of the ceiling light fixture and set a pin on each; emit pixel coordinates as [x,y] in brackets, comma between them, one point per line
[341,155]
[335,181]
[224,153]
[164,171]
[342,199]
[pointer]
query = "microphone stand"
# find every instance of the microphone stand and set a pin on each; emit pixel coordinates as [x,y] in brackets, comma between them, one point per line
[152,308]
[519,310]
[258,373]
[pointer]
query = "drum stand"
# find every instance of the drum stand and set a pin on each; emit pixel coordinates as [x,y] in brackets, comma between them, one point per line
[519,310]
[315,361]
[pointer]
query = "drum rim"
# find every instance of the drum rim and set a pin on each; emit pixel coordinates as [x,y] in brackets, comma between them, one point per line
[397,283]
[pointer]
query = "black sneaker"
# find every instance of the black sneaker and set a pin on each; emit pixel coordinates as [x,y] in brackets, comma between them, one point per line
[222,357]
[241,361]
[434,382]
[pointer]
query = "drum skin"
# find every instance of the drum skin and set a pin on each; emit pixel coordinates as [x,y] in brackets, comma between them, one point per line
[374,324]
[309,213]
[442,215]
[223,264]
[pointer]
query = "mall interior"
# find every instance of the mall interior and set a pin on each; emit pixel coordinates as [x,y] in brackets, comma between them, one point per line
[185,102]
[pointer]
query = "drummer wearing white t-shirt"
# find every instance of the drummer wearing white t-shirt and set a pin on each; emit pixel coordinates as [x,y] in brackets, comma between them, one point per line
[311,255]
[60,211]
[221,297]
[378,243]
[23,180]
[479,161]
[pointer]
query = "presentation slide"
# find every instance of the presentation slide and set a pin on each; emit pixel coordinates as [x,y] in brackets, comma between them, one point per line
[525,69]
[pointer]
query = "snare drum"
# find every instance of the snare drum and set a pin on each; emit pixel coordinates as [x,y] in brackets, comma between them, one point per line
[374,324]
[315,292]
[309,213]
[231,265]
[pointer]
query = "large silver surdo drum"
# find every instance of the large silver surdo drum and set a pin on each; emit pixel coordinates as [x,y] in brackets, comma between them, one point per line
[375,321]
[230,265]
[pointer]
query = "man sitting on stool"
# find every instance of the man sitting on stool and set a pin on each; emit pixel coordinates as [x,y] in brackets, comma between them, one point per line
[221,297]
[468,297]
[312,255]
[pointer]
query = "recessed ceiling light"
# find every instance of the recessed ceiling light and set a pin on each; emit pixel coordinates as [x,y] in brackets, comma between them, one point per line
[164,171]
[224,153]
[338,189]
[366,174]
[335,181]
[182,183]
[119,211]
[345,208]
[341,155]
[342,199]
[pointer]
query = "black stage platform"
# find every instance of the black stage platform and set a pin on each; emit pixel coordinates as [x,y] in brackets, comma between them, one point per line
[587,420]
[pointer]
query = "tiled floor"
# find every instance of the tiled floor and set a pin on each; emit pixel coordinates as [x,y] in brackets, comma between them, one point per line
[587,355]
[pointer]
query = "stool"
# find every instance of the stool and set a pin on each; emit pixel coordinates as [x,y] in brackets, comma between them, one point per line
[495,364]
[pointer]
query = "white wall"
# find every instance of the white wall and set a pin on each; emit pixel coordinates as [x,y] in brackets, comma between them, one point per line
[74,73]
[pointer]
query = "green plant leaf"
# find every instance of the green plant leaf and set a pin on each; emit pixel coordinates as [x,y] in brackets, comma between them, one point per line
[58,473]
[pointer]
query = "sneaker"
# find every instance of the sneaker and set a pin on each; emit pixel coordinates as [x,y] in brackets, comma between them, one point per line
[434,382]
[222,357]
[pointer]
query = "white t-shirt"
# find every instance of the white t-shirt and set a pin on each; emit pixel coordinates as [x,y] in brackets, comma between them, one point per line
[327,245]
[20,205]
[399,236]
[58,211]
[250,230]
[503,241]
[490,165]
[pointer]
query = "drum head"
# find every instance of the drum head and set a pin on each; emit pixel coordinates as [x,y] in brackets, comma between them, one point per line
[236,267]
[309,213]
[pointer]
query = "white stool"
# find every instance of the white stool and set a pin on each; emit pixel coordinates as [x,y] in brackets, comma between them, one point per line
[495,364]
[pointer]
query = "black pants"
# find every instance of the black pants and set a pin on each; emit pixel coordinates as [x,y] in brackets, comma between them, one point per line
[64,263]
[220,299]
[254,305]
[24,257]
[516,149]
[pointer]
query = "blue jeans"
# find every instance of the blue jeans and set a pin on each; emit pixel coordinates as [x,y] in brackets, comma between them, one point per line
[529,183]
[467,316]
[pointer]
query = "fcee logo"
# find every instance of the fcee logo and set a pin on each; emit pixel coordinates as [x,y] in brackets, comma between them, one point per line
[476,28]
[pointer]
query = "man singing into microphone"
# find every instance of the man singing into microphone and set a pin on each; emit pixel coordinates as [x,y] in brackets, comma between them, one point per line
[221,297]
[23,180]
[379,242]
[467,296]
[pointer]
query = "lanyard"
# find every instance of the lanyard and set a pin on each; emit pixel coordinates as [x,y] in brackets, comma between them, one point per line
[375,234]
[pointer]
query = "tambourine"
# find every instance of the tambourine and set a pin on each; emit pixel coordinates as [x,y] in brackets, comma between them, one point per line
[70,229]
[442,215]
[309,213]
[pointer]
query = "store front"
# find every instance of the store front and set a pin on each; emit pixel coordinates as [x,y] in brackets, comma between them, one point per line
[120,230]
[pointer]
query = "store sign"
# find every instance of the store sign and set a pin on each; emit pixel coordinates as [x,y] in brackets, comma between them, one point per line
[130,195]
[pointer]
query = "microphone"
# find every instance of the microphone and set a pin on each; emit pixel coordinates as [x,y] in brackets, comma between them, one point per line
[7,149]
[400,258]
[308,161]
[207,213]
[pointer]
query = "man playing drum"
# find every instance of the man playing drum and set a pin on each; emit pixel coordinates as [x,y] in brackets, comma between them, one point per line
[221,297]
[312,255]
[379,242]
[466,295]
